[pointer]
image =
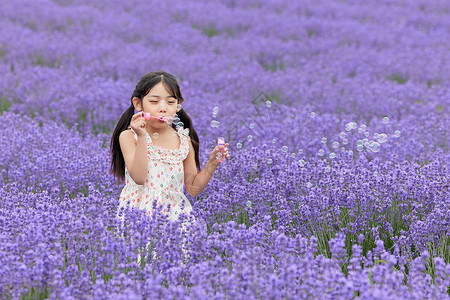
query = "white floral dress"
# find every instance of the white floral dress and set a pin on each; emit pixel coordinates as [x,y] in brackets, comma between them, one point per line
[165,179]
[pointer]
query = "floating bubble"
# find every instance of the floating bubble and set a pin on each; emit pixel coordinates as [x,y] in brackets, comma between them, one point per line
[363,127]
[375,147]
[300,151]
[274,141]
[345,141]
[284,148]
[332,155]
[301,162]
[312,115]
[397,133]
[320,152]
[239,145]
[342,135]
[268,103]
[251,125]
[385,120]
[327,169]
[155,135]
[360,148]
[324,140]
[341,180]
[249,203]
[249,138]
[382,138]
[335,145]
[218,155]
[308,185]
[269,161]
[215,123]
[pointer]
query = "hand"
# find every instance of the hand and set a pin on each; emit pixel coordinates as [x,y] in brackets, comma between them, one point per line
[212,157]
[138,124]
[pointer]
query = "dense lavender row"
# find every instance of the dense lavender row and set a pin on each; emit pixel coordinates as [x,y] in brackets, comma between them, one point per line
[337,113]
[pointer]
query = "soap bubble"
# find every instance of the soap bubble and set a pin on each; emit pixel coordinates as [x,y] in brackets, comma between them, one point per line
[251,125]
[215,123]
[284,148]
[385,120]
[375,147]
[249,203]
[268,103]
[382,138]
[320,152]
[301,162]
[312,115]
[324,140]
[397,133]
[332,155]
[274,141]
[269,161]
[300,151]
[239,145]
[249,138]
[327,169]
[218,155]
[308,184]
[342,135]
[155,135]
[350,126]
[360,148]
[335,145]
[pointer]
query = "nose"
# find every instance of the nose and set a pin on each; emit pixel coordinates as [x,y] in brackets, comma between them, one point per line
[162,106]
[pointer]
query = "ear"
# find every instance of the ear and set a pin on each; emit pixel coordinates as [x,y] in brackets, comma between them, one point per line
[137,103]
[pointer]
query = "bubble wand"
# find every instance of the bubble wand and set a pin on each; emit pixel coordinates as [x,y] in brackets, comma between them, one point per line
[221,145]
[147,116]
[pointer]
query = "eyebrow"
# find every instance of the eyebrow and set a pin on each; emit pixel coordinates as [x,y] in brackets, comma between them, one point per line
[160,96]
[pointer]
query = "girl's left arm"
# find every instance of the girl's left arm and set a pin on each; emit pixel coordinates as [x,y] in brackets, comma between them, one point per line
[195,182]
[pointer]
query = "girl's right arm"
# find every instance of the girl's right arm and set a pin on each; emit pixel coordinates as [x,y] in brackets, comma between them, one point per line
[135,152]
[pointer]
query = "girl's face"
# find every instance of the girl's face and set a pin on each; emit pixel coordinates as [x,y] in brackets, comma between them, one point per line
[158,102]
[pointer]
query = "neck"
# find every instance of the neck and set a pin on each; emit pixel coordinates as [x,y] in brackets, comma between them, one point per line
[160,131]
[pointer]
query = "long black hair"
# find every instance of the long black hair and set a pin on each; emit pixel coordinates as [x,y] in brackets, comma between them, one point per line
[143,87]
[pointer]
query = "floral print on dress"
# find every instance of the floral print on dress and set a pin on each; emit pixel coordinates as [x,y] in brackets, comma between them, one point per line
[164,182]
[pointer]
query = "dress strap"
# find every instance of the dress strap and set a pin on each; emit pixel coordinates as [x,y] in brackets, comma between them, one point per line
[135,135]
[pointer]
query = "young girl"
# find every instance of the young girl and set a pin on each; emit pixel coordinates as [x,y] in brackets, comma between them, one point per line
[152,156]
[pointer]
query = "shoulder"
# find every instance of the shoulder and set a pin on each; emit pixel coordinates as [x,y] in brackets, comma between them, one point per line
[126,137]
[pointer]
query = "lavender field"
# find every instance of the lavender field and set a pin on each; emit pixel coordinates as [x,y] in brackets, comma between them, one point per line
[337,115]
